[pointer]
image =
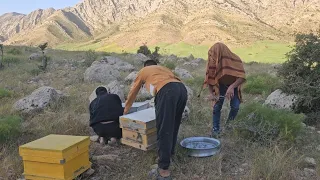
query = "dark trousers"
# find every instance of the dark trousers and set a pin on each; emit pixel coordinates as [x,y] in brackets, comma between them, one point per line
[108,130]
[170,103]
[234,105]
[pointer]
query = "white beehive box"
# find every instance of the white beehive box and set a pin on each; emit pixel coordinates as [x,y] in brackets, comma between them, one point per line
[139,129]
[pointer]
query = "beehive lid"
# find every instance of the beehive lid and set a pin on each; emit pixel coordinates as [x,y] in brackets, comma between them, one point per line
[144,116]
[136,104]
[54,142]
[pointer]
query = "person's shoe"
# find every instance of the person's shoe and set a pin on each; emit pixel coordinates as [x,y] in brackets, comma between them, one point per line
[112,141]
[102,140]
[155,175]
[215,134]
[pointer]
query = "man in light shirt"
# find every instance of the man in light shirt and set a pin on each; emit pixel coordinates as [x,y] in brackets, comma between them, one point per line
[170,101]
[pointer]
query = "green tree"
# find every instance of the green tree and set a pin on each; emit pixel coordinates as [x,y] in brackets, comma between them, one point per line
[144,50]
[155,55]
[301,73]
[1,49]
[44,57]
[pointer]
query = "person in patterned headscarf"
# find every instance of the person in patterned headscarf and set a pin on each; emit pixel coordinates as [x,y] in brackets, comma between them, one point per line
[224,76]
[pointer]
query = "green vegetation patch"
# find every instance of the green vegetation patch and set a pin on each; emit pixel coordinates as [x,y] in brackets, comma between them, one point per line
[261,51]
[264,52]
[262,84]
[10,127]
[5,93]
[169,65]
[260,123]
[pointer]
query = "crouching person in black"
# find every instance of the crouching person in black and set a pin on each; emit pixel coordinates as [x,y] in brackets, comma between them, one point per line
[105,111]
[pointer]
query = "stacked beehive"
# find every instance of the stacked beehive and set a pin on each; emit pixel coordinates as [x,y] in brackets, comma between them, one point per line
[139,129]
[57,157]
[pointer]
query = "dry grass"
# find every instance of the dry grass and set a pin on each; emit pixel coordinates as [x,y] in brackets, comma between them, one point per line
[274,163]
[70,116]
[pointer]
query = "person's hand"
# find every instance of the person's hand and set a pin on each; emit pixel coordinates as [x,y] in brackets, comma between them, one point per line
[212,97]
[230,93]
[125,112]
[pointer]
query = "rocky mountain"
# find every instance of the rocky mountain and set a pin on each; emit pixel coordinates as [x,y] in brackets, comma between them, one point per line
[132,22]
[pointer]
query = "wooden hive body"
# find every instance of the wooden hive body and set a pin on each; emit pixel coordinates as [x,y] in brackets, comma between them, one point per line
[55,157]
[139,129]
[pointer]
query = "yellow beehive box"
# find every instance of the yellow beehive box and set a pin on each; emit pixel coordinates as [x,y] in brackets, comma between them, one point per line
[141,121]
[144,139]
[55,157]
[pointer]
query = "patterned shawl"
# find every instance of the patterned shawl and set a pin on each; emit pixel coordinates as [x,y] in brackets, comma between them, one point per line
[221,61]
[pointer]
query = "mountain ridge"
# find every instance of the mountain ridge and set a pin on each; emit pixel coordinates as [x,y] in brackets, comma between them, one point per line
[130,23]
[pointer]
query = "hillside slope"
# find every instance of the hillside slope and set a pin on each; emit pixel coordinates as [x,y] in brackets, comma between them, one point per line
[130,23]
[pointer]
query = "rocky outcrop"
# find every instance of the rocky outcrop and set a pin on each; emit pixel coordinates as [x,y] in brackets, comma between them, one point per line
[35,56]
[89,18]
[101,72]
[186,113]
[38,100]
[191,64]
[171,58]
[190,92]
[281,100]
[14,23]
[144,95]
[131,77]
[183,74]
[117,63]
[138,58]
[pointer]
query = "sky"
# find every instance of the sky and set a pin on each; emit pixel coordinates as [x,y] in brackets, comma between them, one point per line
[27,6]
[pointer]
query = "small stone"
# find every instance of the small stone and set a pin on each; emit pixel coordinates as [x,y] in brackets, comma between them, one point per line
[318,148]
[102,158]
[94,138]
[196,176]
[318,132]
[89,172]
[303,125]
[245,165]
[309,172]
[311,128]
[310,161]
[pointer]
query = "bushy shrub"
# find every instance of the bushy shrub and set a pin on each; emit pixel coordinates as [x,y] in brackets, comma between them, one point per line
[144,50]
[90,57]
[5,93]
[11,60]
[14,51]
[35,72]
[261,84]
[169,65]
[197,82]
[301,73]
[260,123]
[155,55]
[45,59]
[10,127]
